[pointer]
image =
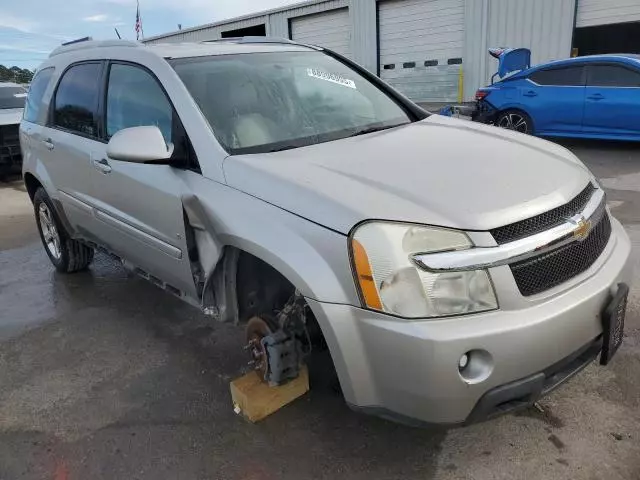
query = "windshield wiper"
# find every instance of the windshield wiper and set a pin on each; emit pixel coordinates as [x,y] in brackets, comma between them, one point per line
[289,146]
[283,147]
[364,131]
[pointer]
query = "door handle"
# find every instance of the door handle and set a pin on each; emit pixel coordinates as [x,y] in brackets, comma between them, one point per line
[102,165]
[530,93]
[596,96]
[48,143]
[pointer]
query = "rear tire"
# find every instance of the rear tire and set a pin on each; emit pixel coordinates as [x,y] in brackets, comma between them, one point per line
[66,254]
[515,120]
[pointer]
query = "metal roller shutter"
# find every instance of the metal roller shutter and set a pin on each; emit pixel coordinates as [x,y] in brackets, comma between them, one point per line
[327,29]
[421,44]
[604,12]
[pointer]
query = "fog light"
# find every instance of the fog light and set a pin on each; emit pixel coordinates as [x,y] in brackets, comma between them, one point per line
[475,366]
[462,363]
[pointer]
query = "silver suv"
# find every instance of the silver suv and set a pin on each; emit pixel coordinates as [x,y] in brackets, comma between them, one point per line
[455,271]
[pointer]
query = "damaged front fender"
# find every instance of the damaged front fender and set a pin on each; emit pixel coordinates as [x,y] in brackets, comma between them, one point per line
[214,267]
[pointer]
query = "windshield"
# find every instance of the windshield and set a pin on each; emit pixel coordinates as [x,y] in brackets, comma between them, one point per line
[264,102]
[12,97]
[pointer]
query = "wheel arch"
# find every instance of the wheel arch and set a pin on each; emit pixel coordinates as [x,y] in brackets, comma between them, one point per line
[32,184]
[519,109]
[244,262]
[40,179]
[242,229]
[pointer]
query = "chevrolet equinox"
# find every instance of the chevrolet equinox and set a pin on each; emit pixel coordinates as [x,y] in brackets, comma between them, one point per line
[454,271]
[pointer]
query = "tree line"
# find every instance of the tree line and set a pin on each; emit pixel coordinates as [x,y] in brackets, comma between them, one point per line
[15,74]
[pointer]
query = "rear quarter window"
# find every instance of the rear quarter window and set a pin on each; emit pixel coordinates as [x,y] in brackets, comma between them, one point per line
[38,87]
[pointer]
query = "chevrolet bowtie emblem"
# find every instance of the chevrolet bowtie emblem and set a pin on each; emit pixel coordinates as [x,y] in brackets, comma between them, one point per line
[582,229]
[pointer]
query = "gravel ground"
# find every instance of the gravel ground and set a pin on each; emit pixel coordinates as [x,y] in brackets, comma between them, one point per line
[103,376]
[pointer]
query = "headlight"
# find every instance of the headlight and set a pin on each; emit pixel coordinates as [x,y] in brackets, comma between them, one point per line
[389,281]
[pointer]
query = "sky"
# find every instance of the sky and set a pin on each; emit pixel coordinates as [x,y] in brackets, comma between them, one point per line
[30,29]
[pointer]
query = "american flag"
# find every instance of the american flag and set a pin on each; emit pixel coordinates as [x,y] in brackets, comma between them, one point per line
[138,23]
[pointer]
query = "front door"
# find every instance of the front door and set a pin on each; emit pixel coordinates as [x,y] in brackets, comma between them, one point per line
[139,206]
[612,100]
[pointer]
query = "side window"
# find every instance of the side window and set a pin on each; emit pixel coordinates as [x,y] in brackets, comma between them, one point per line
[612,76]
[135,99]
[566,77]
[38,86]
[76,99]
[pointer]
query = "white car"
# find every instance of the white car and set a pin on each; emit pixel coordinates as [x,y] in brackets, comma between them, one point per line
[12,98]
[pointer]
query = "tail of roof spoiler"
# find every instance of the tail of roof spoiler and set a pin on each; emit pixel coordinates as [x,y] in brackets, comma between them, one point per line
[510,60]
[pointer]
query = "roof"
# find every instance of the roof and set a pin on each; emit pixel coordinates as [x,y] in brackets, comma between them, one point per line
[88,44]
[181,50]
[590,58]
[224,46]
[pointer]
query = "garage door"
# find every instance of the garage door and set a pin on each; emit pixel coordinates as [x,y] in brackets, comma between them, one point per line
[421,43]
[604,12]
[327,29]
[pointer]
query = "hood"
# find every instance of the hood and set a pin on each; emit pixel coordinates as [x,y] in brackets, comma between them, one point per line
[440,171]
[10,116]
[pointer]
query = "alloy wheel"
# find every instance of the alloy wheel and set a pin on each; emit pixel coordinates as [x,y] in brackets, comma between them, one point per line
[49,231]
[514,121]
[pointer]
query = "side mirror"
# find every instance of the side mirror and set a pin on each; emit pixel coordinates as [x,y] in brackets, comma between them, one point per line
[139,145]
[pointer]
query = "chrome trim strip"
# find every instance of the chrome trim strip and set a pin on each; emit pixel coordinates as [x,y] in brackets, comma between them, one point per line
[74,202]
[122,226]
[486,257]
[139,234]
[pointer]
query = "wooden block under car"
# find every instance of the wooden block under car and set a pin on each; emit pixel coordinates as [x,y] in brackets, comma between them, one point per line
[257,400]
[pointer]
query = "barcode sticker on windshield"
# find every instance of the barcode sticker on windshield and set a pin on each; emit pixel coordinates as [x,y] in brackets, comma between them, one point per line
[331,77]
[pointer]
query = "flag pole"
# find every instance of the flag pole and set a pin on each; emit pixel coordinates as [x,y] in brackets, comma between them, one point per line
[141,27]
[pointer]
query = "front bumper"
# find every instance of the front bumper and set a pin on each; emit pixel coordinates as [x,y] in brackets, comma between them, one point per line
[409,369]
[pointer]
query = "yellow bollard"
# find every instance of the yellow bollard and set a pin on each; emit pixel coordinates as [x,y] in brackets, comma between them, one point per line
[460,84]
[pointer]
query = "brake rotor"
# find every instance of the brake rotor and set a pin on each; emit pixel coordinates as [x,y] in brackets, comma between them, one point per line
[256,330]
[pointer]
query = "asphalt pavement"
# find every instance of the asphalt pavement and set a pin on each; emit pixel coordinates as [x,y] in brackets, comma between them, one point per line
[104,376]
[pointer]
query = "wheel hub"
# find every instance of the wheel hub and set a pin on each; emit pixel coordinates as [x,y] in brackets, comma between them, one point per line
[256,330]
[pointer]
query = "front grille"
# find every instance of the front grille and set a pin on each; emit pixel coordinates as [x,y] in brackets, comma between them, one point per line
[10,145]
[545,271]
[544,221]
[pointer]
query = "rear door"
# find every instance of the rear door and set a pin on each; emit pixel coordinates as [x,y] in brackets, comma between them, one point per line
[72,138]
[554,97]
[612,100]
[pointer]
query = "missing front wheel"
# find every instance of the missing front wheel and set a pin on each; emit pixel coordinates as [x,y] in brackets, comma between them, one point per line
[278,345]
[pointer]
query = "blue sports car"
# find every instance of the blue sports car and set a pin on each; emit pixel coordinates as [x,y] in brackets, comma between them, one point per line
[588,97]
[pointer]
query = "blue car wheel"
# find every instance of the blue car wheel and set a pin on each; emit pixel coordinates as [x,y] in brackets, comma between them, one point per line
[515,120]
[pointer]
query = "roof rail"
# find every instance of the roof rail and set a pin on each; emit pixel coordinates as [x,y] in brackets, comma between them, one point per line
[77,40]
[87,42]
[252,39]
